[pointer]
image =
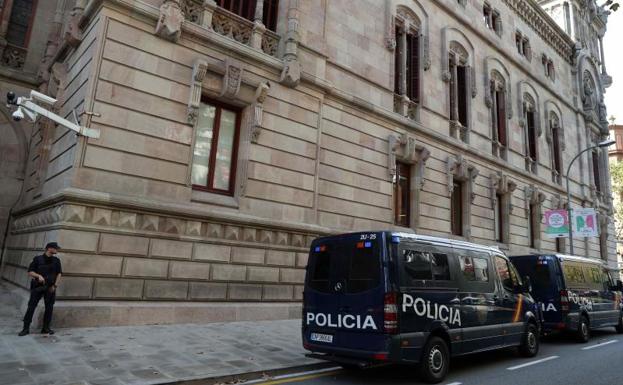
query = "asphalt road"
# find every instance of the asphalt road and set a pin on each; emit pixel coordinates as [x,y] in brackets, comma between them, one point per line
[560,361]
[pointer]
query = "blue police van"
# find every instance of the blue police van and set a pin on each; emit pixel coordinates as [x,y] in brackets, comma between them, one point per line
[575,294]
[382,297]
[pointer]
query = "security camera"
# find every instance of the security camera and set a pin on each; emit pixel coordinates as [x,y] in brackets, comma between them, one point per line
[18,114]
[11,98]
[38,96]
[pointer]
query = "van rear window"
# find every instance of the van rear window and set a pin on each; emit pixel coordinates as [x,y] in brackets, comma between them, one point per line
[355,264]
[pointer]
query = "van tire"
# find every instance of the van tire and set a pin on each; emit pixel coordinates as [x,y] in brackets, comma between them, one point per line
[583,333]
[530,342]
[435,360]
[619,327]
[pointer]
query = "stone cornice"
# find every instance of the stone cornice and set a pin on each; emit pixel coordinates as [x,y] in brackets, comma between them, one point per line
[531,13]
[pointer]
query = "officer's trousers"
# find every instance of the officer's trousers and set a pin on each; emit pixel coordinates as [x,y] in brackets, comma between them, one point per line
[48,300]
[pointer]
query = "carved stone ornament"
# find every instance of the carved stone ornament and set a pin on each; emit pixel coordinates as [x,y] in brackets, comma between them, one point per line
[533,196]
[232,79]
[406,149]
[258,109]
[169,25]
[73,35]
[501,184]
[459,168]
[200,68]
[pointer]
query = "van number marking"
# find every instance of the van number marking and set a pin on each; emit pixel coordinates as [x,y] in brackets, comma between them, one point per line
[366,237]
[347,321]
[430,310]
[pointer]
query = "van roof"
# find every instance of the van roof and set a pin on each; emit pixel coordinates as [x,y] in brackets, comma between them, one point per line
[447,242]
[564,257]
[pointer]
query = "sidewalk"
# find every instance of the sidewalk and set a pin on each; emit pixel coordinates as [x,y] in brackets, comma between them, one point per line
[154,354]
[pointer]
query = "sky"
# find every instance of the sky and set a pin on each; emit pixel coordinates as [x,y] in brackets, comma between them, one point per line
[613,49]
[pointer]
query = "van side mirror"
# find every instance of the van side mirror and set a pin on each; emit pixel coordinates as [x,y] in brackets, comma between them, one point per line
[527,284]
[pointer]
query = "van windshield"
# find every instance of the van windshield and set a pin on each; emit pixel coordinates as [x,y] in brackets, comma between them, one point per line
[354,263]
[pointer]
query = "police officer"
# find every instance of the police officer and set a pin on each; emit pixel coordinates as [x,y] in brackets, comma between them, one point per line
[45,271]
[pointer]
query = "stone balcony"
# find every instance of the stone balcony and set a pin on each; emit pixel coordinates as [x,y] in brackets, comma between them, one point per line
[235,27]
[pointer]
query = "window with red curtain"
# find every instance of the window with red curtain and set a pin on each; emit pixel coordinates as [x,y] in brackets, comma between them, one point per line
[246,9]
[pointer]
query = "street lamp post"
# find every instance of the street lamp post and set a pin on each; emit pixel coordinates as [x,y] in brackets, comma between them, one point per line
[605,143]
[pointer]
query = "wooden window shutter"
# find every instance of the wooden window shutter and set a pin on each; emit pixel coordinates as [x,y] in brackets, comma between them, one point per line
[413,67]
[271,10]
[463,86]
[501,115]
[397,56]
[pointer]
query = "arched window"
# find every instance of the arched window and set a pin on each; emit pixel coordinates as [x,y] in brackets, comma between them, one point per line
[459,85]
[407,62]
[556,139]
[498,100]
[531,133]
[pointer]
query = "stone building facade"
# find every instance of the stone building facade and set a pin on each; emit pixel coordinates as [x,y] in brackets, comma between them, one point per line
[234,132]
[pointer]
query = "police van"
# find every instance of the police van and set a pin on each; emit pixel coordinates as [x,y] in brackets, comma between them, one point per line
[382,297]
[575,294]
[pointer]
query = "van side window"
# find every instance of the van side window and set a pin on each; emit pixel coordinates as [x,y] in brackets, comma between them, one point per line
[425,265]
[574,276]
[595,279]
[475,269]
[507,275]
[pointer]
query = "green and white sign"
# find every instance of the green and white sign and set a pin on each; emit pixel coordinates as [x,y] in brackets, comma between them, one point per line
[556,223]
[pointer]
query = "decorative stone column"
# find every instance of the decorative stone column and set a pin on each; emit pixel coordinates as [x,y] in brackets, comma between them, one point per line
[291,74]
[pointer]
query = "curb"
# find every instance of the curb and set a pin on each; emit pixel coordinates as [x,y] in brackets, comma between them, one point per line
[263,375]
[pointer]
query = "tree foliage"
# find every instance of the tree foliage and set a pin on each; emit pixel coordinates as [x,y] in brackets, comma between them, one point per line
[616,174]
[612,5]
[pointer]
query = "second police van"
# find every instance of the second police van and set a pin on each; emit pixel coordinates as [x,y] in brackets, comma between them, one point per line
[575,294]
[382,297]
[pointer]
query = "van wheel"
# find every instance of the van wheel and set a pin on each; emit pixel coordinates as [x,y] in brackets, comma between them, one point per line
[619,327]
[530,343]
[435,360]
[584,332]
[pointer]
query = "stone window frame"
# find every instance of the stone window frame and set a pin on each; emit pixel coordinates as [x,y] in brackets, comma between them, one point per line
[522,43]
[504,186]
[406,149]
[558,203]
[412,17]
[223,83]
[529,103]
[496,72]
[554,123]
[458,49]
[548,67]
[534,198]
[458,168]
[492,18]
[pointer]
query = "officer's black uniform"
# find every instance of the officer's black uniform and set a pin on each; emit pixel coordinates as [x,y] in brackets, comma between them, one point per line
[49,268]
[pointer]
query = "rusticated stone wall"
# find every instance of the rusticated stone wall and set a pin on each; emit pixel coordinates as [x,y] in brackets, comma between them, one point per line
[129,255]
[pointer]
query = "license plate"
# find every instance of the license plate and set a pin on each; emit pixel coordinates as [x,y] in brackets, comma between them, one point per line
[318,337]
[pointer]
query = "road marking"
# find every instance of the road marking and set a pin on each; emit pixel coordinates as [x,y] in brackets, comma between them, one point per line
[533,363]
[293,377]
[455,383]
[600,344]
